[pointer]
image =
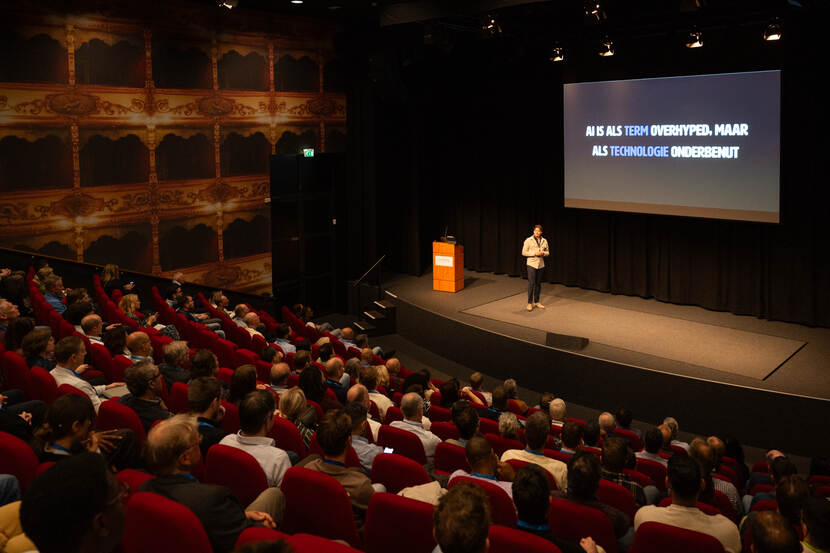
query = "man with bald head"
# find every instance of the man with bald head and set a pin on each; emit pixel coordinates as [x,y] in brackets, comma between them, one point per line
[334,373]
[172,453]
[251,320]
[279,377]
[141,349]
[412,407]
[607,424]
[359,394]
[93,326]
[393,367]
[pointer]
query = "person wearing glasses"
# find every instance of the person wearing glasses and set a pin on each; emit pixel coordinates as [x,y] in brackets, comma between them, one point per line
[535,249]
[145,384]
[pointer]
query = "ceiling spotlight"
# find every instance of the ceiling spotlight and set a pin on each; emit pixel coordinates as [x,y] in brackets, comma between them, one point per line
[229,4]
[695,39]
[490,25]
[773,30]
[296,1]
[607,48]
[557,53]
[593,9]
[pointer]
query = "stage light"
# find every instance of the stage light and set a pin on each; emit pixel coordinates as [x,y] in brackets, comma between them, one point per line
[607,49]
[695,39]
[490,25]
[593,9]
[557,53]
[229,4]
[296,1]
[773,31]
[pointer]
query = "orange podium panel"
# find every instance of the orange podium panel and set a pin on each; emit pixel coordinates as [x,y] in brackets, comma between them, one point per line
[447,267]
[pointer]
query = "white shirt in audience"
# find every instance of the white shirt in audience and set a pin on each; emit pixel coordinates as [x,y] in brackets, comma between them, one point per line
[273,460]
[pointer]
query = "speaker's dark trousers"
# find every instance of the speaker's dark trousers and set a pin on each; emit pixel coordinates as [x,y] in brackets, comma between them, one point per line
[534,284]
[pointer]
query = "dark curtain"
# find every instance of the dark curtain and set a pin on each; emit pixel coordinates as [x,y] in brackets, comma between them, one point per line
[22,164]
[177,66]
[40,58]
[121,64]
[180,158]
[244,155]
[243,72]
[104,161]
[296,75]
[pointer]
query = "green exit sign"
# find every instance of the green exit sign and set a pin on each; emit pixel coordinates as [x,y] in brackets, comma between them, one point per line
[308,152]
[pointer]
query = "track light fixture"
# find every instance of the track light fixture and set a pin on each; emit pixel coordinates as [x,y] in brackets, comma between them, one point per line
[593,10]
[229,4]
[695,39]
[773,31]
[490,25]
[607,48]
[557,54]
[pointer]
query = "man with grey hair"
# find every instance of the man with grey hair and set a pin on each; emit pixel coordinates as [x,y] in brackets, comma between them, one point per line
[557,411]
[8,313]
[607,424]
[93,326]
[172,453]
[512,391]
[144,383]
[671,422]
[251,321]
[176,357]
[509,426]
[412,407]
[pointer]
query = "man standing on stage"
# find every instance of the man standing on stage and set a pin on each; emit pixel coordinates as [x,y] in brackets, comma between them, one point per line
[535,249]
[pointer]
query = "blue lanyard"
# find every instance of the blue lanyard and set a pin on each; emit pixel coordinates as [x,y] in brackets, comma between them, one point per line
[204,423]
[335,463]
[487,476]
[188,475]
[523,524]
[59,447]
[534,452]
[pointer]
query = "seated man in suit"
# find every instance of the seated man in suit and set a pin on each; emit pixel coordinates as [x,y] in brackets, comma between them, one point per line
[172,452]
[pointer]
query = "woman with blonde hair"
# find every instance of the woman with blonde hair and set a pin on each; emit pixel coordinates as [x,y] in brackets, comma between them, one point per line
[293,407]
[130,304]
[111,279]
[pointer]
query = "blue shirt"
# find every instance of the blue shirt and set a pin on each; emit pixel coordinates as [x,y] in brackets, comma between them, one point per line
[366,452]
[55,302]
[286,346]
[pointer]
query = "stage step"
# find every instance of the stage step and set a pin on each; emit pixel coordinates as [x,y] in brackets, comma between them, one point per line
[374,316]
[364,326]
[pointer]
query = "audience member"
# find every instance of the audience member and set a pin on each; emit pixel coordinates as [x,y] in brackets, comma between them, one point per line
[74,506]
[369,378]
[393,366]
[145,385]
[780,467]
[624,417]
[498,404]
[314,388]
[509,426]
[176,359]
[252,321]
[39,348]
[717,447]
[685,480]
[652,443]
[412,407]
[69,355]
[140,346]
[172,453]
[334,372]
[671,422]
[366,451]
[204,396]
[130,305]
[571,437]
[772,533]
[512,391]
[334,435]
[531,495]
[557,411]
[16,331]
[591,435]
[203,363]
[466,420]
[359,394]
[279,377]
[302,360]
[476,381]
[54,293]
[187,308]
[293,407]
[283,339]
[239,313]
[607,424]
[92,327]
[486,466]
[537,428]
[816,525]
[21,418]
[701,452]
[115,340]
[111,280]
[243,382]
[614,453]
[256,418]
[462,520]
[75,312]
[8,313]
[584,474]
[67,431]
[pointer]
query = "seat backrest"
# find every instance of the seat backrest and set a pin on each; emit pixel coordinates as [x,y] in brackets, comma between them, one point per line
[259,533]
[17,459]
[308,543]
[617,496]
[118,366]
[638,477]
[765,505]
[113,415]
[287,436]
[393,414]
[15,372]
[723,504]
[397,472]
[230,423]
[237,470]
[500,444]
[178,398]
[654,470]
[572,521]
[444,430]
[263,371]
[439,414]
[305,491]
[402,442]
[247,357]
[155,523]
[511,540]
[404,522]
[68,389]
[633,439]
[101,360]
[518,464]
[488,426]
[42,385]
[655,537]
[760,488]
[133,478]
[502,510]
[450,458]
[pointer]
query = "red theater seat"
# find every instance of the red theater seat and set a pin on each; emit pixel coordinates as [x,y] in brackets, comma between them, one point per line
[397,472]
[155,523]
[236,470]
[654,537]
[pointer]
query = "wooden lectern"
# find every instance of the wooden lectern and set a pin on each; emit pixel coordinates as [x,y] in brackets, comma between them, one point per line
[447,267]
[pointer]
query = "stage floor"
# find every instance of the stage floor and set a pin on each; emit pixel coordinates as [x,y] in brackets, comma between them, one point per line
[681,340]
